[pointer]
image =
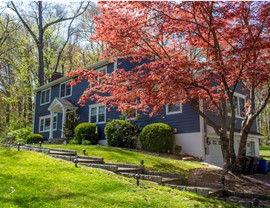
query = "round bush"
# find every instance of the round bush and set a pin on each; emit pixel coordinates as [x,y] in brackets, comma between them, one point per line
[86,131]
[120,133]
[34,138]
[157,137]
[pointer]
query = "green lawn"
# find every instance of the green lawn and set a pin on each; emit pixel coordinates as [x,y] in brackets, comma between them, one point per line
[118,155]
[29,179]
[265,152]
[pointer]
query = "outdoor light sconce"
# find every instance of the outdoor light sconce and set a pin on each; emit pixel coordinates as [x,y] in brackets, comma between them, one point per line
[19,146]
[137,178]
[76,162]
[84,151]
[208,141]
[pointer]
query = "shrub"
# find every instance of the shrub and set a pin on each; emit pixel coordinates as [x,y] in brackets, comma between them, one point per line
[19,135]
[73,141]
[86,142]
[120,133]
[89,130]
[34,138]
[157,137]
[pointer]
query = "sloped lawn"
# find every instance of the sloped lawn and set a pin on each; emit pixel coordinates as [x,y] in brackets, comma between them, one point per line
[118,155]
[32,180]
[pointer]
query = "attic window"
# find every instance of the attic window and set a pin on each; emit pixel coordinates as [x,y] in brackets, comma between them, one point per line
[65,90]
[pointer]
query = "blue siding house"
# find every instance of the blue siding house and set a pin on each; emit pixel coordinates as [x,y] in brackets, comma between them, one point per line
[56,104]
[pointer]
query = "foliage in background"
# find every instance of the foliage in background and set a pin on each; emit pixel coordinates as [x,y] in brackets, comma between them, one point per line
[87,129]
[19,135]
[121,133]
[157,137]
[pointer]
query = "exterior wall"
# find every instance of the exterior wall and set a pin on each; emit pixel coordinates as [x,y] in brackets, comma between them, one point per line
[191,143]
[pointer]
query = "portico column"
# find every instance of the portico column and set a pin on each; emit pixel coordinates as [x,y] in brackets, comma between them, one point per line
[63,122]
[51,125]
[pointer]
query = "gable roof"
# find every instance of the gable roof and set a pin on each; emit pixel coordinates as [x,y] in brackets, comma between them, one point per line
[65,78]
[59,103]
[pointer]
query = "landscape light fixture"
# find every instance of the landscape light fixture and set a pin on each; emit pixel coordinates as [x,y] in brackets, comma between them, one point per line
[223,180]
[84,151]
[76,162]
[19,146]
[255,202]
[40,143]
[142,162]
[137,177]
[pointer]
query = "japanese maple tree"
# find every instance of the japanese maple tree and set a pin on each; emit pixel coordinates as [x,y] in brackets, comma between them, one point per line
[198,52]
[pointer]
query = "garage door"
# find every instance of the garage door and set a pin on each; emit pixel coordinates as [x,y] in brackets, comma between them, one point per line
[215,152]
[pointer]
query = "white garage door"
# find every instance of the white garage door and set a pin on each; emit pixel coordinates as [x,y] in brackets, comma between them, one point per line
[215,152]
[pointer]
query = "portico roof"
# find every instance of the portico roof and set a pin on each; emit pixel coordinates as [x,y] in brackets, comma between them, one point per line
[59,103]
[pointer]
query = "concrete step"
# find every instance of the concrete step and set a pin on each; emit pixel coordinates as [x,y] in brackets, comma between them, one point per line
[177,181]
[203,191]
[83,160]
[61,152]
[112,168]
[153,178]
[128,169]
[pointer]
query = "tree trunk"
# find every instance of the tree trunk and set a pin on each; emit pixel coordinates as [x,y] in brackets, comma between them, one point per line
[240,160]
[40,45]
[225,151]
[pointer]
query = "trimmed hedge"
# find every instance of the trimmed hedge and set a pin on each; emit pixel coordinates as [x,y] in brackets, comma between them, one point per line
[34,138]
[120,133]
[89,130]
[157,137]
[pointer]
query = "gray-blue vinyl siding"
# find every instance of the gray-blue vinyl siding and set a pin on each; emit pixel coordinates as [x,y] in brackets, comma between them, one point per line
[186,122]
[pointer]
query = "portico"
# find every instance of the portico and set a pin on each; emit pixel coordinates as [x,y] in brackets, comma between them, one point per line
[60,105]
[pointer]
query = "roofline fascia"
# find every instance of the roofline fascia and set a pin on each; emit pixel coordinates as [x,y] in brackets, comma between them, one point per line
[65,78]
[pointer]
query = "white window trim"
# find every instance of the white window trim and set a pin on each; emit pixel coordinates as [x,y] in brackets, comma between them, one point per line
[50,89]
[71,89]
[97,105]
[100,69]
[238,95]
[175,112]
[44,117]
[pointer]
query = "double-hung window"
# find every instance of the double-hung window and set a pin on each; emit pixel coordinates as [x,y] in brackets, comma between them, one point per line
[97,113]
[173,109]
[65,89]
[239,101]
[239,105]
[44,123]
[45,96]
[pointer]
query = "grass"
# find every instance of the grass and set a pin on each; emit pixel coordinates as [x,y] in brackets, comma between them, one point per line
[118,155]
[33,180]
[265,152]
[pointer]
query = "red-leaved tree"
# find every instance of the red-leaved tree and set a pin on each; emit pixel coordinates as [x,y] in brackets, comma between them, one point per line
[198,52]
